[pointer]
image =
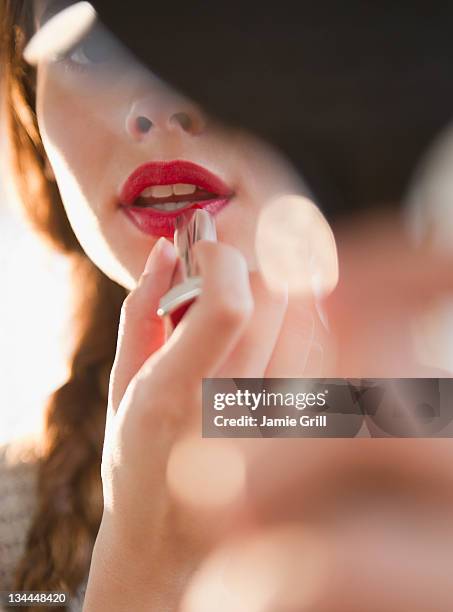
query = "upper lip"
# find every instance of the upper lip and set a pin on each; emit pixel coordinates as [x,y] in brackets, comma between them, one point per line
[168,173]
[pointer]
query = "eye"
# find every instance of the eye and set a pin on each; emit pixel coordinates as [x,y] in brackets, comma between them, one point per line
[97,47]
[78,56]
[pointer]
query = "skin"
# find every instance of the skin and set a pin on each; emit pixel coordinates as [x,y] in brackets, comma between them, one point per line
[151,540]
[102,100]
[86,115]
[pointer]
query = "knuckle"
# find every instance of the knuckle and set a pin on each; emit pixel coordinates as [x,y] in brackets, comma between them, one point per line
[155,384]
[162,408]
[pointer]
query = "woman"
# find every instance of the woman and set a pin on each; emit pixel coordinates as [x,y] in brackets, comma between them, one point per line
[104,154]
[105,128]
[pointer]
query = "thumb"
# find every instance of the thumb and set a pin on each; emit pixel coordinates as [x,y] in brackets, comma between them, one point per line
[141,331]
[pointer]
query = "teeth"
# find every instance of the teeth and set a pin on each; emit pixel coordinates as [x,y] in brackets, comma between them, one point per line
[161,191]
[147,193]
[165,191]
[170,205]
[183,189]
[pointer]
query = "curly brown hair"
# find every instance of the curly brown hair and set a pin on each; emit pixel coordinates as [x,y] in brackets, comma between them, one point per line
[69,504]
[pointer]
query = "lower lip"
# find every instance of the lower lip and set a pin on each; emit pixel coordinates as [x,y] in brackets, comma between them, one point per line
[159,223]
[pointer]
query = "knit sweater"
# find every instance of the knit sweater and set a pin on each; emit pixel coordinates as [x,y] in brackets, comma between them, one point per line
[18,477]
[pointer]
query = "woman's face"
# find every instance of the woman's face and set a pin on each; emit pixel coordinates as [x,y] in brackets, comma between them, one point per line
[117,138]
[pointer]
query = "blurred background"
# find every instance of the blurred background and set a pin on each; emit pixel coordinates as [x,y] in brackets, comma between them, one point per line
[34,308]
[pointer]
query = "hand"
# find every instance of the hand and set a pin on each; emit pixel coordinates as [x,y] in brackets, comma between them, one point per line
[148,544]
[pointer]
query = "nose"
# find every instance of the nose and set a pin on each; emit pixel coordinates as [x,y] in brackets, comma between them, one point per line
[172,114]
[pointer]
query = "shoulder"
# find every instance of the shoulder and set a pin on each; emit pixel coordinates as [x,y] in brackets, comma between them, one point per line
[18,500]
[18,481]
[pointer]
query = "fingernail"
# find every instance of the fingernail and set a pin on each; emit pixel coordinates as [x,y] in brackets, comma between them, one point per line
[161,248]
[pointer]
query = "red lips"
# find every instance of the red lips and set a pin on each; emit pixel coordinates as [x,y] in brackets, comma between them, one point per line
[212,194]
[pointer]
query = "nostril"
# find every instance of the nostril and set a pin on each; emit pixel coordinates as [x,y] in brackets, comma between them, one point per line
[143,124]
[183,120]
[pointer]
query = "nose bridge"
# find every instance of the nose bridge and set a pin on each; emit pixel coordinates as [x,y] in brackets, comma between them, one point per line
[163,110]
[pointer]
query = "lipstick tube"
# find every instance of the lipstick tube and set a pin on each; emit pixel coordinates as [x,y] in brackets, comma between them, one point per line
[190,226]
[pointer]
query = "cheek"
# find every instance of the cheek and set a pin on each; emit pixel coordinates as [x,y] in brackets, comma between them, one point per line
[79,142]
[263,174]
[269,173]
[74,134]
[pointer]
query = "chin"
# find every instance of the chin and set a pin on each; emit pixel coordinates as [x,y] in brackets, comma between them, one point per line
[115,270]
[123,278]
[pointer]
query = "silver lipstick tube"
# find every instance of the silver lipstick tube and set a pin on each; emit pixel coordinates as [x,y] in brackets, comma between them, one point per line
[190,227]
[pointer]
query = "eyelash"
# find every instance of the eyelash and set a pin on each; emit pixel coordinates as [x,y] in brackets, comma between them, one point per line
[68,64]
[65,60]
[84,66]
[76,50]
[100,51]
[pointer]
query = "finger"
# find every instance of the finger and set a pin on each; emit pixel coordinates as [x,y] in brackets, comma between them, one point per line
[295,246]
[251,354]
[141,331]
[296,337]
[164,396]
[213,324]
